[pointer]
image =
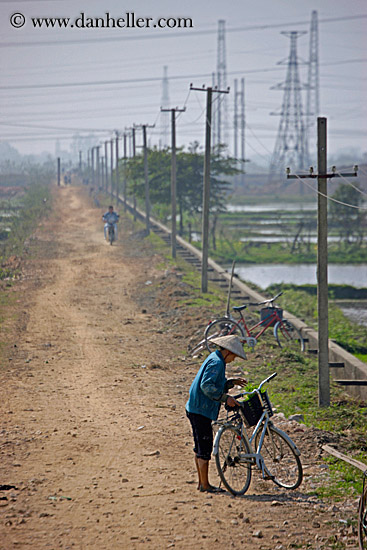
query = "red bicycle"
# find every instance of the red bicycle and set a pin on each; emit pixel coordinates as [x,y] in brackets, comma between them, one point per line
[285,333]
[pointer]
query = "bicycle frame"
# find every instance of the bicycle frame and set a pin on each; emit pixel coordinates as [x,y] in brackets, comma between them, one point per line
[270,321]
[255,457]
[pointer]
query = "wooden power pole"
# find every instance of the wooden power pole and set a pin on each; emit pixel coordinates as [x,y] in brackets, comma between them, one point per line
[117,178]
[58,171]
[206,188]
[322,257]
[146,179]
[173,176]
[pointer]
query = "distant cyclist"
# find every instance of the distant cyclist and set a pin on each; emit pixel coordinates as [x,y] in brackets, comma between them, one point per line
[110,217]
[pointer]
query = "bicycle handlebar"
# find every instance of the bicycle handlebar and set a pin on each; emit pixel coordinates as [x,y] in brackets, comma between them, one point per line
[267,301]
[258,389]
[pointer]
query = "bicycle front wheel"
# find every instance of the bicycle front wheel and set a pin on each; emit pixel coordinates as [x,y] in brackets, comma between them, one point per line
[288,336]
[280,459]
[232,470]
[221,327]
[362,519]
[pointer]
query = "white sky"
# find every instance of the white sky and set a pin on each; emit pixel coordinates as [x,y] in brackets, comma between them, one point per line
[35,57]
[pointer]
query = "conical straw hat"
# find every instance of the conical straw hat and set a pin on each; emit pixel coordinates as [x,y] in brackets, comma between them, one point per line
[231,343]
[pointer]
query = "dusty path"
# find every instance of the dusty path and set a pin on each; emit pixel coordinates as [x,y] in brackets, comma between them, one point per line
[93,433]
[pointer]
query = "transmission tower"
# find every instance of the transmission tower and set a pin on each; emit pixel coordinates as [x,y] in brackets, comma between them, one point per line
[239,123]
[291,143]
[222,107]
[313,87]
[165,132]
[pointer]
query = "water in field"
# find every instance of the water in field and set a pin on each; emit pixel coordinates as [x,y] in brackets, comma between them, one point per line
[266,274]
[273,207]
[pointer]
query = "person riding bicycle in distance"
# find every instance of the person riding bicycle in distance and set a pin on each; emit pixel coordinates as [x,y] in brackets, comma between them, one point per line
[207,392]
[110,217]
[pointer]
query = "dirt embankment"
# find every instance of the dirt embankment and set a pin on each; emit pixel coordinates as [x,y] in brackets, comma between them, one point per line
[94,438]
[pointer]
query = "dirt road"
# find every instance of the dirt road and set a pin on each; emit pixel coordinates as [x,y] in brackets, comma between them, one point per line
[94,437]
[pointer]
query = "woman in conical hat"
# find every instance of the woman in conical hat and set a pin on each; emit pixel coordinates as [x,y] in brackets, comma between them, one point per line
[208,390]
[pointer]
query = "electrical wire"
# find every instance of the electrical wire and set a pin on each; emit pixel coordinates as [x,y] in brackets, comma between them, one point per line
[351,184]
[257,139]
[328,197]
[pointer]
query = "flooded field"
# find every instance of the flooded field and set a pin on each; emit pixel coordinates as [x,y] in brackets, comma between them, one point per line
[266,274]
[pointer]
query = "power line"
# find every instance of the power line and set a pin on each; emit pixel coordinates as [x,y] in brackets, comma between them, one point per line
[156,79]
[351,184]
[328,196]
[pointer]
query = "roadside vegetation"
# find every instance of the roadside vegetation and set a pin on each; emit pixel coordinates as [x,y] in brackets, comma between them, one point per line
[350,336]
[31,208]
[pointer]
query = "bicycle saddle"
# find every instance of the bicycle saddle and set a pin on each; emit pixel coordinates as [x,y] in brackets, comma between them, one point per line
[239,308]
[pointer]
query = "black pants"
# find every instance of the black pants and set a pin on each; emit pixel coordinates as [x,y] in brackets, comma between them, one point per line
[203,435]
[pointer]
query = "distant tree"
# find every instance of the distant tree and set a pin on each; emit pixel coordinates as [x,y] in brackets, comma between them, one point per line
[349,222]
[190,168]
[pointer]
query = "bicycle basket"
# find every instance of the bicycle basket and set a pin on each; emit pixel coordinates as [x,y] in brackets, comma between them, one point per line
[266,402]
[267,312]
[254,407]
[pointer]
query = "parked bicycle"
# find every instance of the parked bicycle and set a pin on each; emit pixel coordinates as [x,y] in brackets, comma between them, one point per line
[362,516]
[268,448]
[285,333]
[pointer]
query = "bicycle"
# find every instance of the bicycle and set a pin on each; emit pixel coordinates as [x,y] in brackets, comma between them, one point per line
[111,233]
[285,333]
[274,453]
[362,516]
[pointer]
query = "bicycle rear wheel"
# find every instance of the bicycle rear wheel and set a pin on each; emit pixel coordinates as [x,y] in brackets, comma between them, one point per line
[280,459]
[221,327]
[288,336]
[236,475]
[362,518]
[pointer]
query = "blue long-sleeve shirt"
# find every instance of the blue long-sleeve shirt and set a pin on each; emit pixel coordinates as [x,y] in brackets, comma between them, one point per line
[208,388]
[110,217]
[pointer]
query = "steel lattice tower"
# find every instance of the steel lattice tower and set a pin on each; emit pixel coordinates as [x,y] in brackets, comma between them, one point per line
[291,143]
[239,123]
[165,140]
[222,107]
[313,87]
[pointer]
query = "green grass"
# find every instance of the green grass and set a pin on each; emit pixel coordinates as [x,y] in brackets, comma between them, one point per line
[350,336]
[34,206]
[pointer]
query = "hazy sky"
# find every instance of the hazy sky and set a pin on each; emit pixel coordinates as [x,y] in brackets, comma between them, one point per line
[115,75]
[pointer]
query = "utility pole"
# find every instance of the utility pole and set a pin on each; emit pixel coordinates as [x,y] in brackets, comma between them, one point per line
[111,159]
[117,178]
[125,165]
[88,166]
[132,148]
[322,256]
[58,171]
[102,172]
[80,164]
[92,162]
[147,198]
[133,141]
[173,175]
[106,165]
[98,166]
[206,188]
